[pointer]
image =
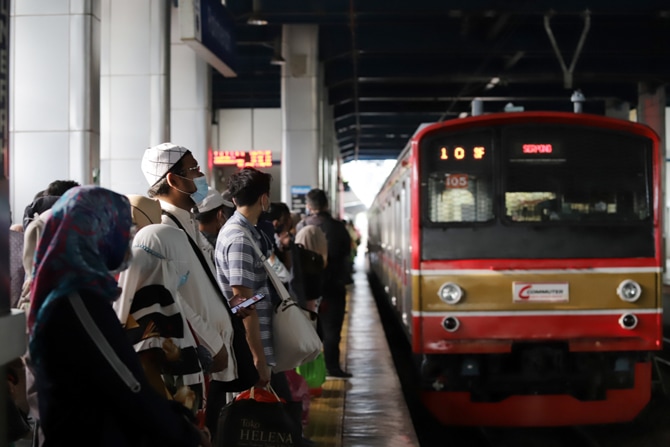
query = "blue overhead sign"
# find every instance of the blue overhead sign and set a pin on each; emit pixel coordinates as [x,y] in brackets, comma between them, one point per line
[207,27]
[299,198]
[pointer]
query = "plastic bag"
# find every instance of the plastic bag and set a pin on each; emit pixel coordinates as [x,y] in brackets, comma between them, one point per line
[299,393]
[314,372]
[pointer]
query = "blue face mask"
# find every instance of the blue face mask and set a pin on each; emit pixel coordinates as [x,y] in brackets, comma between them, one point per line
[201,191]
[183,279]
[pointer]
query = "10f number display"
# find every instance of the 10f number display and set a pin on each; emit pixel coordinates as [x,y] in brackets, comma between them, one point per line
[461,153]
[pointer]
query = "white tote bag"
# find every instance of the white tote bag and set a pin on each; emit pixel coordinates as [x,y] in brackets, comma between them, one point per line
[294,337]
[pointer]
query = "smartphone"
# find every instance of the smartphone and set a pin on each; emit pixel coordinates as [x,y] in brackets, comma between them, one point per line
[248,302]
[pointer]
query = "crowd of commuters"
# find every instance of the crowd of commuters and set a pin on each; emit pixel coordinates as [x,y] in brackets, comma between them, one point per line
[129,300]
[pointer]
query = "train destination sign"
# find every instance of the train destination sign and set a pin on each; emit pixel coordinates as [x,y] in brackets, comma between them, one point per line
[537,148]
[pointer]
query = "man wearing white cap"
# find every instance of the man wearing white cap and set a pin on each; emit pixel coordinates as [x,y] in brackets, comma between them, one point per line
[211,217]
[176,181]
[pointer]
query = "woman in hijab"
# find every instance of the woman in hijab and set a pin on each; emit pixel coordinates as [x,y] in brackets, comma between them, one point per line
[155,316]
[85,397]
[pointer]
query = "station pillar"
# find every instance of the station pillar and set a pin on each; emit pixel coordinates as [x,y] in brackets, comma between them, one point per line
[54,133]
[300,109]
[12,321]
[135,83]
[190,97]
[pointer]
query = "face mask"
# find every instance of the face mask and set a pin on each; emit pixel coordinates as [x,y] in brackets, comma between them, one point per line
[201,191]
[183,279]
[201,188]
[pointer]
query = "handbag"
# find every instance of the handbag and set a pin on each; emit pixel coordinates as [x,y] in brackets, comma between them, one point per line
[294,337]
[257,418]
[247,374]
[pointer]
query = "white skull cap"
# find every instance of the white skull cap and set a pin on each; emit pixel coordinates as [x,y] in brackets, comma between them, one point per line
[158,160]
[212,201]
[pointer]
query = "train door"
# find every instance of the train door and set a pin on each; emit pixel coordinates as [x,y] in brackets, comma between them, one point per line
[406,295]
[397,259]
[386,244]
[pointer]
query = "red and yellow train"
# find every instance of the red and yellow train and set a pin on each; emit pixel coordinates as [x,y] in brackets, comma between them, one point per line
[523,255]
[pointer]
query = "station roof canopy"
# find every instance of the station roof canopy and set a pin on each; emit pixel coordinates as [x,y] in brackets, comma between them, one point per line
[390,65]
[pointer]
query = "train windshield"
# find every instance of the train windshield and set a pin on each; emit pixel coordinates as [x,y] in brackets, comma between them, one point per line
[556,174]
[460,178]
[532,190]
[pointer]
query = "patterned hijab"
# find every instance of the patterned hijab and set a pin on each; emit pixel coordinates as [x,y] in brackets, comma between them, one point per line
[86,236]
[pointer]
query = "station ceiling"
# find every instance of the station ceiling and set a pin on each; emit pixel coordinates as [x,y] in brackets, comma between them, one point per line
[391,65]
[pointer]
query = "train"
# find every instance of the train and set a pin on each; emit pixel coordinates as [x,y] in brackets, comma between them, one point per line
[523,255]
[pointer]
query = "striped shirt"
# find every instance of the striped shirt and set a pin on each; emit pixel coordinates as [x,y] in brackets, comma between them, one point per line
[237,264]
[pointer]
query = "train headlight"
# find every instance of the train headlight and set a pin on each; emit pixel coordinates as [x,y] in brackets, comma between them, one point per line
[450,293]
[451,324]
[628,321]
[629,291]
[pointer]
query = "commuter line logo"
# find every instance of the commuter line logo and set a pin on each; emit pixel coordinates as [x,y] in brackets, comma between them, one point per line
[525,292]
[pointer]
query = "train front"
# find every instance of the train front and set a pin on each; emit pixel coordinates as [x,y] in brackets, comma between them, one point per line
[537,279]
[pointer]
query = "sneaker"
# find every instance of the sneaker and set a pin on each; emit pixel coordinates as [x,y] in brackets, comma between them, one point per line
[338,374]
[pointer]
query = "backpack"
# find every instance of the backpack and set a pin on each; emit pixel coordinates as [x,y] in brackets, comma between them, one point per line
[310,261]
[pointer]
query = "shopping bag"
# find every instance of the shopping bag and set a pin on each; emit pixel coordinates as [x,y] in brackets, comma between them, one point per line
[257,418]
[299,393]
[314,372]
[294,337]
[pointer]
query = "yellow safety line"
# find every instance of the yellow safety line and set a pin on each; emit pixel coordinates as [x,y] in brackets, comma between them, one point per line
[326,412]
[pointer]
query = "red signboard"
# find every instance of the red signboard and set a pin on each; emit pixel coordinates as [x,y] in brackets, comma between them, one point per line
[242,159]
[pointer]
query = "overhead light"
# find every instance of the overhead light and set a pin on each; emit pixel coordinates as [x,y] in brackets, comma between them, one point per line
[277,60]
[492,83]
[255,19]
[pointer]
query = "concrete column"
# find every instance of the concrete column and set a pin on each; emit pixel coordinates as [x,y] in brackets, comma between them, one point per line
[190,98]
[300,108]
[651,110]
[54,104]
[135,99]
[329,155]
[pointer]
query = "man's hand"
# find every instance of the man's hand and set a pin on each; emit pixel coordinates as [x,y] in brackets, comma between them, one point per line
[263,374]
[205,437]
[220,360]
[242,312]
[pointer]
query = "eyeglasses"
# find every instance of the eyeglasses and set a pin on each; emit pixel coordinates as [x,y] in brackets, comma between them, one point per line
[194,168]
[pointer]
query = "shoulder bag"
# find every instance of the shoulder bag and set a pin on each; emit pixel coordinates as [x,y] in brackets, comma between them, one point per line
[247,374]
[294,337]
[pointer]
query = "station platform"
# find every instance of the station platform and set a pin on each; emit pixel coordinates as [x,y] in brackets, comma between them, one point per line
[367,410]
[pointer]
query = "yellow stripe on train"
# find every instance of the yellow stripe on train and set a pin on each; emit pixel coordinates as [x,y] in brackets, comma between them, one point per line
[497,290]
